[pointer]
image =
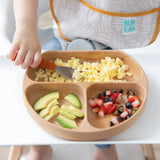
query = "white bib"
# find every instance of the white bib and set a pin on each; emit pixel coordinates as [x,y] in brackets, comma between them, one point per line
[119,24]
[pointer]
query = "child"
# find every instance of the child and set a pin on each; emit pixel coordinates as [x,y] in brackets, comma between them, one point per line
[125,24]
[82,19]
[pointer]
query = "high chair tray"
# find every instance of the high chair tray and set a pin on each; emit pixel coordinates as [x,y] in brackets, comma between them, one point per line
[91,127]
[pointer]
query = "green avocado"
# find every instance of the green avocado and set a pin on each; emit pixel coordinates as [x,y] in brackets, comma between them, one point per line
[45,100]
[67,114]
[54,111]
[66,123]
[72,110]
[74,100]
[49,110]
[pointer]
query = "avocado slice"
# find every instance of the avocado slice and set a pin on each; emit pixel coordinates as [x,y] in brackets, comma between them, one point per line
[43,112]
[51,104]
[47,111]
[67,114]
[45,100]
[72,110]
[74,100]
[66,123]
[52,113]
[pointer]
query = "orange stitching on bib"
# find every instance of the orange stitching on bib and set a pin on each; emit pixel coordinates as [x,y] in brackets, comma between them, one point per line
[118,14]
[157,28]
[57,22]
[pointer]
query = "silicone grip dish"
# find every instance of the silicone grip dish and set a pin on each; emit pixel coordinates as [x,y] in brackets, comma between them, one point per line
[91,127]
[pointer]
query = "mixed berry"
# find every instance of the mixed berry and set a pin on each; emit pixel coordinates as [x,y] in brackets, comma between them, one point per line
[121,106]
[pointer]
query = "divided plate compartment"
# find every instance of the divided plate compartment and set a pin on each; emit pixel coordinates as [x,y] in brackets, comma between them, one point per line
[91,127]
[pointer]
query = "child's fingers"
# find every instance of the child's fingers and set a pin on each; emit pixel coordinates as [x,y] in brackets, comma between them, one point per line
[37,59]
[28,60]
[12,51]
[20,56]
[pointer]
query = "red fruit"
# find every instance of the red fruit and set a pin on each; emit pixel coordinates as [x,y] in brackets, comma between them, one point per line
[124,114]
[92,102]
[132,98]
[109,93]
[114,96]
[103,109]
[109,106]
[101,113]
[114,119]
[136,103]
[119,99]
[129,111]
[107,103]
[112,109]
[99,102]
[101,97]
[95,110]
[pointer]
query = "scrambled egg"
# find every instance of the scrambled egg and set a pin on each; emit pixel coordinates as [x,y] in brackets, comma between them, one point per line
[107,70]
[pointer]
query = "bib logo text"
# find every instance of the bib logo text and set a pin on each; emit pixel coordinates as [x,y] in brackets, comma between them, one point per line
[129,25]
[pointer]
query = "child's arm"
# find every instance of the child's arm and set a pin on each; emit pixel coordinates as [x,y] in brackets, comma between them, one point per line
[26,38]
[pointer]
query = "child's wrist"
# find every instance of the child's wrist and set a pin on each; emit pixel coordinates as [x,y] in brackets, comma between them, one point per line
[21,25]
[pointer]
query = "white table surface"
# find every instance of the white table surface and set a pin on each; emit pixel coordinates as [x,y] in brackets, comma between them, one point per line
[18,128]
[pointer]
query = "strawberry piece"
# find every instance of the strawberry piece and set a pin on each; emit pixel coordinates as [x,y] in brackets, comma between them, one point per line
[96,109]
[136,103]
[109,93]
[112,109]
[129,111]
[103,108]
[107,103]
[132,98]
[114,119]
[99,102]
[119,99]
[124,114]
[92,102]
[108,107]
[102,98]
[114,96]
[101,113]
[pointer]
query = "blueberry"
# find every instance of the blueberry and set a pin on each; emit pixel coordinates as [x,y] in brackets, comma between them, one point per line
[131,93]
[128,116]
[100,95]
[120,119]
[111,123]
[116,113]
[120,109]
[106,97]
[109,100]
[121,91]
[128,105]
[104,93]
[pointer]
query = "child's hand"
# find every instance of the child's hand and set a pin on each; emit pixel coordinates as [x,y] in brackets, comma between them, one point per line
[26,42]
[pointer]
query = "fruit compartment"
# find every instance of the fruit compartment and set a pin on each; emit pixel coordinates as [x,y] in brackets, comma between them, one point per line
[93,56]
[36,91]
[95,89]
